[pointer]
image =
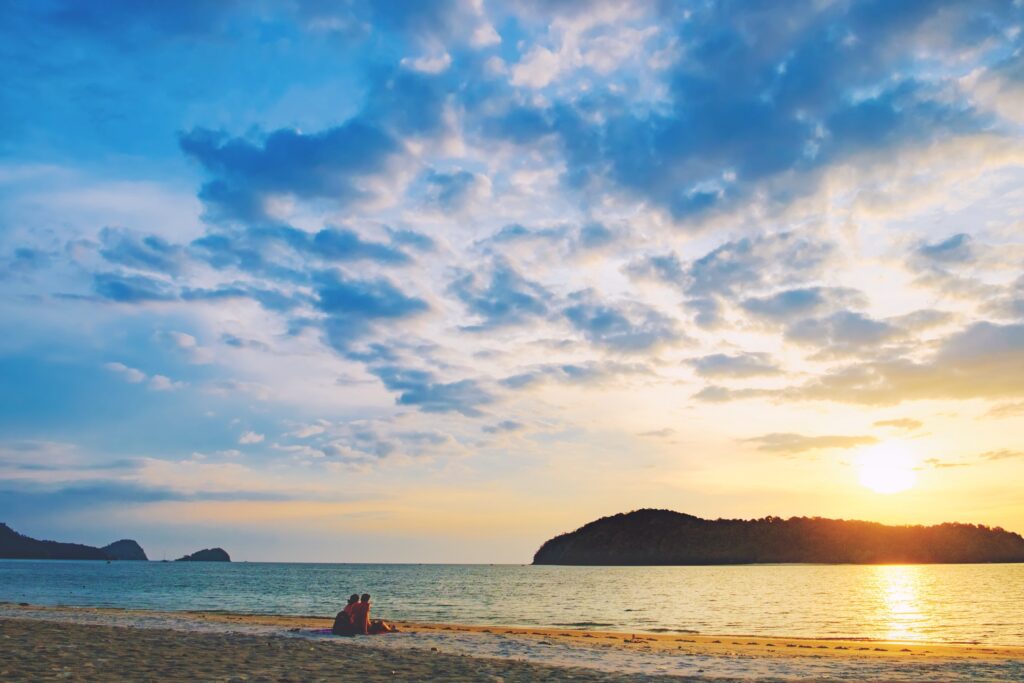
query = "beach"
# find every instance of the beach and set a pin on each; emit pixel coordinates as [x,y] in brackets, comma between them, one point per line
[61,643]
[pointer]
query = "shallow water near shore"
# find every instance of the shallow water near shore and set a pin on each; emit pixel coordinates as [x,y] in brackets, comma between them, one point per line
[936,603]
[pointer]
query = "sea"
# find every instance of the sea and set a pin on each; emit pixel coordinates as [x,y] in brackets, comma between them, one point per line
[934,603]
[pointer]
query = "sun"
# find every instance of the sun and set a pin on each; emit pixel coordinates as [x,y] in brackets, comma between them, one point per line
[886,468]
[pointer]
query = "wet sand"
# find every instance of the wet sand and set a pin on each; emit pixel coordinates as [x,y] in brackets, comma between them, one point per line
[105,644]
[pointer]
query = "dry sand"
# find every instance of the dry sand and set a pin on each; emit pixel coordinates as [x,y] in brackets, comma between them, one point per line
[108,644]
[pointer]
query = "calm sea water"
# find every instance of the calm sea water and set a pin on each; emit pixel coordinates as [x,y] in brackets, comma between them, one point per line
[949,603]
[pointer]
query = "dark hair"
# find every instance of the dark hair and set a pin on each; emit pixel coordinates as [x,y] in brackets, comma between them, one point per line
[353,598]
[366,597]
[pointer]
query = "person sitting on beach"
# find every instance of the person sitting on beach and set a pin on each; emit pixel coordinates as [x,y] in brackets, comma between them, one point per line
[344,623]
[361,619]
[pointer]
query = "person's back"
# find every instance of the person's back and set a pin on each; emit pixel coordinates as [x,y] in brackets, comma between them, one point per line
[345,620]
[361,615]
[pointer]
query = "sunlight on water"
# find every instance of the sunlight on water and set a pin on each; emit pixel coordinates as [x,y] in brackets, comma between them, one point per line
[900,602]
[948,603]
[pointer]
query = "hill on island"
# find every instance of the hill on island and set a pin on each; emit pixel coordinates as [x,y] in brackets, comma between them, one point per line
[125,549]
[664,537]
[206,555]
[15,546]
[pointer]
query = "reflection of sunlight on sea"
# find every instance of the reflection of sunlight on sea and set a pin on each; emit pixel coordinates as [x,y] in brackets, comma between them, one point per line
[899,604]
[979,603]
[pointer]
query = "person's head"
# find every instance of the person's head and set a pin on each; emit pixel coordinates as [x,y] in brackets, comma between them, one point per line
[365,597]
[354,598]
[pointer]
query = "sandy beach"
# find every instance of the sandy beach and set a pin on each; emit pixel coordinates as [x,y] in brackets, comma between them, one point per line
[110,644]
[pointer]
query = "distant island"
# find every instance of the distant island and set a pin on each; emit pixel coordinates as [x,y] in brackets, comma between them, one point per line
[664,537]
[125,549]
[15,546]
[206,555]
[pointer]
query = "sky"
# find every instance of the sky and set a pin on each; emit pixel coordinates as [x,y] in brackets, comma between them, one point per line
[411,281]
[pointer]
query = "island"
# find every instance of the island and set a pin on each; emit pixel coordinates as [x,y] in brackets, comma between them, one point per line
[15,546]
[125,549]
[665,537]
[206,555]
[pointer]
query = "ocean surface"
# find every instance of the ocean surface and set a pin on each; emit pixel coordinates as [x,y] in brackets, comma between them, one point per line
[938,603]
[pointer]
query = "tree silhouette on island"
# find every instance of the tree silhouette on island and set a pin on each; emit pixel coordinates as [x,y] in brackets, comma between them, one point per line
[664,537]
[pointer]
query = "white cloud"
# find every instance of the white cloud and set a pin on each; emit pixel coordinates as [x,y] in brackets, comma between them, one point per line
[250,438]
[130,374]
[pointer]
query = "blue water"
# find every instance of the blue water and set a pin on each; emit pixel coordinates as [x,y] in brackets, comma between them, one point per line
[942,603]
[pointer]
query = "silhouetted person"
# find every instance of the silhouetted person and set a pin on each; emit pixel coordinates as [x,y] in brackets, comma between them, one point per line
[361,621]
[344,622]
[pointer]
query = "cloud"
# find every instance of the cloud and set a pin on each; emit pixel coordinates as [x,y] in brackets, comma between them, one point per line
[507,299]
[626,327]
[248,438]
[130,289]
[421,389]
[984,360]
[456,190]
[135,376]
[593,372]
[740,365]
[190,346]
[903,424]
[1002,454]
[1006,410]
[132,375]
[164,383]
[352,305]
[144,252]
[333,164]
[504,427]
[955,249]
[845,332]
[801,302]
[789,444]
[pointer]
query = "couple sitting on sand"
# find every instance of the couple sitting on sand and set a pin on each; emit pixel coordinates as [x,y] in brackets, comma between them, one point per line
[355,619]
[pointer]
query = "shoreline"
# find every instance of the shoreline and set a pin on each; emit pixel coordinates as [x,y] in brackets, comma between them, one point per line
[314,622]
[607,653]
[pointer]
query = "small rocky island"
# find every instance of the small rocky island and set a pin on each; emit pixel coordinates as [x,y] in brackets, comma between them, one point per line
[125,549]
[664,537]
[206,555]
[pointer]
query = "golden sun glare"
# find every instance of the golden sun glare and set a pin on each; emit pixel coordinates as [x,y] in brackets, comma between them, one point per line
[886,468]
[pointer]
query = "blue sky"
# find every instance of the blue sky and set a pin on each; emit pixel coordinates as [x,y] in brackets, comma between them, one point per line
[435,281]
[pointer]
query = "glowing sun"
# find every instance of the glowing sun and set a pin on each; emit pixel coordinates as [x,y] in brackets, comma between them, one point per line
[886,468]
